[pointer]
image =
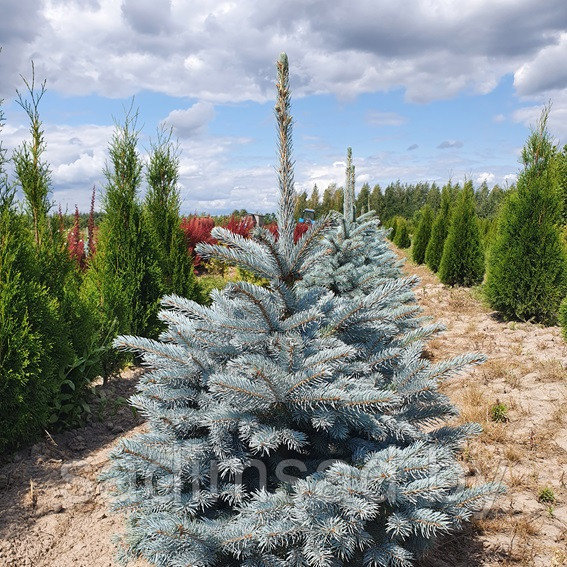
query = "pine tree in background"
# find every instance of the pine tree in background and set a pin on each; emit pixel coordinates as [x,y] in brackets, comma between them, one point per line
[272,440]
[163,222]
[376,200]
[124,276]
[313,202]
[462,262]
[327,203]
[439,230]
[362,202]
[300,205]
[422,235]
[527,264]
[402,238]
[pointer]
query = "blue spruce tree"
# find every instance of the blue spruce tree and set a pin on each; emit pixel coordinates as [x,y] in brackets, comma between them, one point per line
[287,426]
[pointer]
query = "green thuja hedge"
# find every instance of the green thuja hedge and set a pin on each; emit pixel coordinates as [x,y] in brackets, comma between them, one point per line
[462,262]
[527,264]
[161,217]
[125,277]
[422,235]
[439,231]
[402,237]
[47,327]
[28,371]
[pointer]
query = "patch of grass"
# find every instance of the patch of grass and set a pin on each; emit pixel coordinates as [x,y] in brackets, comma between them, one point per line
[546,495]
[499,413]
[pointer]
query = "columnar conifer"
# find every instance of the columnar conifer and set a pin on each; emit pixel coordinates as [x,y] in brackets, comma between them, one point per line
[422,235]
[439,231]
[161,216]
[462,262]
[527,264]
[401,237]
[124,276]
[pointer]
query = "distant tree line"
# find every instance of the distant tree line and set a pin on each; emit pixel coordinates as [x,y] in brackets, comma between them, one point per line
[398,199]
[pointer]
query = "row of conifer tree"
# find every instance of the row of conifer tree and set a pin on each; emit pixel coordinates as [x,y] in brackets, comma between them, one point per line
[520,255]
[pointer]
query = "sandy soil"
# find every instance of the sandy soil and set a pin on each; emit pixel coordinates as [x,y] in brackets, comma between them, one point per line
[53,512]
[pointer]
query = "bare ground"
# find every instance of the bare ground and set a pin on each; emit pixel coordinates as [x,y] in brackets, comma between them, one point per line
[53,512]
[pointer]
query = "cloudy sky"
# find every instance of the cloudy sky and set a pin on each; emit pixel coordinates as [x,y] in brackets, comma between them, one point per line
[421,89]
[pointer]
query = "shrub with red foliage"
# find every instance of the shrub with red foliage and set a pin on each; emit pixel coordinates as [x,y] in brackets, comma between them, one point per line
[273,228]
[75,244]
[240,225]
[300,229]
[197,229]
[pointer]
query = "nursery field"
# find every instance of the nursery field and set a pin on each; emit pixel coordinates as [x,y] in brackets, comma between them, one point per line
[54,512]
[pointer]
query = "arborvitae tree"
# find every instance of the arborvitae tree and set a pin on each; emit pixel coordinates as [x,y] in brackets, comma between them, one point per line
[75,332]
[402,237]
[300,205]
[33,346]
[30,167]
[282,431]
[161,215]
[25,368]
[422,234]
[561,164]
[527,264]
[462,262]
[439,231]
[392,224]
[124,276]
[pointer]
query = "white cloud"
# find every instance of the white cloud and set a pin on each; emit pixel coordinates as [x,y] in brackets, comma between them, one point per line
[510,178]
[485,177]
[546,71]
[192,120]
[209,50]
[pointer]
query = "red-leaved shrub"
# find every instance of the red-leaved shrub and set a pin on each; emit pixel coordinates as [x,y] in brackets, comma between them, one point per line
[75,244]
[197,229]
[240,225]
[299,230]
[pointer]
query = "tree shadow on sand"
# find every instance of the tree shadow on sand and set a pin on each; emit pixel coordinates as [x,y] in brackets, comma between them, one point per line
[40,467]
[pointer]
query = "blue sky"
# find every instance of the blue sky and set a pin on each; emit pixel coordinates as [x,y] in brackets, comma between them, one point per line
[421,89]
